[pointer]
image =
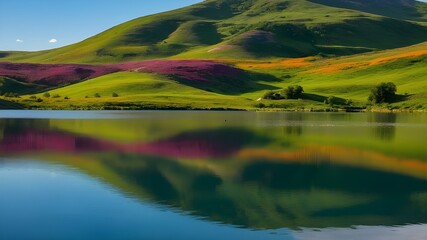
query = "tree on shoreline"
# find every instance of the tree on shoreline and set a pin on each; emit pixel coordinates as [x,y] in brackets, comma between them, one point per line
[383,93]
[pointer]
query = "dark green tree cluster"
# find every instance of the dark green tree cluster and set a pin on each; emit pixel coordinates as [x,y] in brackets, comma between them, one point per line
[383,93]
[291,92]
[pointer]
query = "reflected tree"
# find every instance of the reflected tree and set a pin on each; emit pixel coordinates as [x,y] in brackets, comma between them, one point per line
[385,128]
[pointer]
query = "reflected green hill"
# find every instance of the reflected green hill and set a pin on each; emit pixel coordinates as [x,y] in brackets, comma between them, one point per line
[256,176]
[262,194]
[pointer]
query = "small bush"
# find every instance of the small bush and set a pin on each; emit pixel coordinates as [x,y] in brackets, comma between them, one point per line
[272,95]
[33,97]
[383,93]
[46,95]
[56,96]
[97,95]
[39,100]
[86,96]
[66,98]
[115,94]
[293,92]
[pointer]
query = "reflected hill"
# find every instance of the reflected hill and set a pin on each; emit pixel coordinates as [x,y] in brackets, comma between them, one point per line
[199,144]
[239,176]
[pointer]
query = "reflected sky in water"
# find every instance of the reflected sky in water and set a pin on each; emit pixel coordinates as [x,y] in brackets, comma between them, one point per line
[212,175]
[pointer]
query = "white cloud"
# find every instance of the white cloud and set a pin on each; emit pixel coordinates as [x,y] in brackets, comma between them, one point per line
[19,40]
[53,40]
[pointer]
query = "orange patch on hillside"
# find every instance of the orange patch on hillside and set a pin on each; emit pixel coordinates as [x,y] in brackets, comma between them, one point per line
[338,67]
[399,56]
[359,158]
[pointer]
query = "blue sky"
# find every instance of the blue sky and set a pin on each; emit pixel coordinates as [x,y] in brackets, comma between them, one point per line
[30,24]
[43,24]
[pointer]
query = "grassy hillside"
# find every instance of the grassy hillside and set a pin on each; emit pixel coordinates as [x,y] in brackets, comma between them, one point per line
[134,91]
[247,28]
[352,77]
[331,48]
[401,9]
[347,78]
[9,85]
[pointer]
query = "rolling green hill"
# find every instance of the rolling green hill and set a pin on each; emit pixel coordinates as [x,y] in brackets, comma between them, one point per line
[338,48]
[250,29]
[348,78]
[135,91]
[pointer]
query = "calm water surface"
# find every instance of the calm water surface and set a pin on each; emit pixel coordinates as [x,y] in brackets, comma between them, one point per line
[212,175]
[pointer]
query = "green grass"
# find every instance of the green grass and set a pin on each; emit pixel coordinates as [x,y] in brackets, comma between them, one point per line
[135,90]
[6,104]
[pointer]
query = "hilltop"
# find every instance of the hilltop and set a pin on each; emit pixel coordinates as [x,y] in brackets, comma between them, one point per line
[250,29]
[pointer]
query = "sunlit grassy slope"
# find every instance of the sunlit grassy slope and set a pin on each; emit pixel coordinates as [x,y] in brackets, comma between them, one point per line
[352,77]
[248,28]
[133,90]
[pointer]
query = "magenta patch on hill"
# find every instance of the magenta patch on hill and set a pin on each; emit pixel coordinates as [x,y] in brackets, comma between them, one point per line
[193,70]
[53,74]
[62,74]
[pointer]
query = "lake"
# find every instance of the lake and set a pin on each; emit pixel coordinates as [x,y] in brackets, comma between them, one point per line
[212,175]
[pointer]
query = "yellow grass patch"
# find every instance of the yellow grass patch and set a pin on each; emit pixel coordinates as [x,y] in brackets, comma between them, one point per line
[337,67]
[274,64]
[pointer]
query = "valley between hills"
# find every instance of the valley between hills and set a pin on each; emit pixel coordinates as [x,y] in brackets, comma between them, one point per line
[227,54]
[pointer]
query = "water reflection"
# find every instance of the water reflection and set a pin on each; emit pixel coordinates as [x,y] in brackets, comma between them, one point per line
[385,125]
[251,176]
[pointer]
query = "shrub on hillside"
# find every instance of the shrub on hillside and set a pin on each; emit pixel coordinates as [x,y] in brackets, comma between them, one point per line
[293,92]
[56,96]
[383,93]
[46,95]
[115,94]
[272,95]
[97,95]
